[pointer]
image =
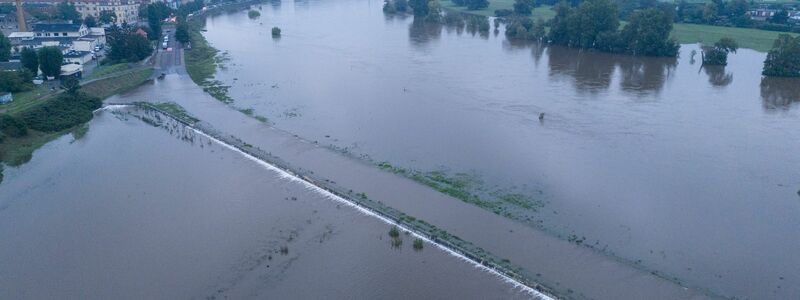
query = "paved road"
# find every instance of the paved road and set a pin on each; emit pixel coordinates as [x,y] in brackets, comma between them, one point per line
[169,60]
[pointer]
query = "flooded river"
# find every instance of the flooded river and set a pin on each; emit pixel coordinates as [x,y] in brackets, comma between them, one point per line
[689,171]
[133,211]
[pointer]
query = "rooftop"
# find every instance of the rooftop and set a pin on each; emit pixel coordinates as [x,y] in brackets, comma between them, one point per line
[57,27]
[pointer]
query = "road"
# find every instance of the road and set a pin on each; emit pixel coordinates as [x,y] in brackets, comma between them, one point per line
[169,60]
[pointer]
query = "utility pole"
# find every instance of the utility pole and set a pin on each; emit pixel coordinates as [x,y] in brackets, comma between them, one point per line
[21,17]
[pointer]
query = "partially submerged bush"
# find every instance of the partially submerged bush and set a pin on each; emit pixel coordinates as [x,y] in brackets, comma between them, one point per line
[276,31]
[418,244]
[394,232]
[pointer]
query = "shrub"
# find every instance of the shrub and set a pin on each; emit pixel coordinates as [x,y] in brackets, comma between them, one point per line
[394,232]
[276,31]
[252,14]
[418,244]
[65,111]
[11,126]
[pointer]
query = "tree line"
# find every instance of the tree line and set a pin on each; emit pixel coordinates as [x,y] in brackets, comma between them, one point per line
[594,24]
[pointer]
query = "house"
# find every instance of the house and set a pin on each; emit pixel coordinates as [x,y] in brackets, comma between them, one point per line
[762,13]
[5,98]
[45,30]
[127,11]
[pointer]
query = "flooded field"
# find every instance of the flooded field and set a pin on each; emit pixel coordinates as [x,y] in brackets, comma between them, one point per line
[689,171]
[134,211]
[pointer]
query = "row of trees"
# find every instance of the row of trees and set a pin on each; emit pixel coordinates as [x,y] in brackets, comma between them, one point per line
[594,24]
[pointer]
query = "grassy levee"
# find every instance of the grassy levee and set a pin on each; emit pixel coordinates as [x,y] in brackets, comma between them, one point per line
[119,84]
[15,151]
[201,62]
[756,39]
[108,70]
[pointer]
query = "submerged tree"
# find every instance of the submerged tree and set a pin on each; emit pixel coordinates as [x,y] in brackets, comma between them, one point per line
[784,58]
[648,33]
[717,55]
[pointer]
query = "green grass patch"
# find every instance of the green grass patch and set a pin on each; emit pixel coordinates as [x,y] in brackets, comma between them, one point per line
[759,40]
[26,100]
[102,71]
[201,64]
[110,86]
[176,111]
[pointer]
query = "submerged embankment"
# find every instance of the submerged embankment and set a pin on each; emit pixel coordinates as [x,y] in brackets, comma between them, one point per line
[89,218]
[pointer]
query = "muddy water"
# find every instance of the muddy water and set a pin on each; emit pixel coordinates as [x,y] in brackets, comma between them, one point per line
[140,212]
[692,172]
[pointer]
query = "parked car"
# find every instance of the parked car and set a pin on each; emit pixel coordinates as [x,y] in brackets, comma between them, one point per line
[164,45]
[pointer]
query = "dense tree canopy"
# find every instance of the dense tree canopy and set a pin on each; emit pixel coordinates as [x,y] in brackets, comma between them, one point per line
[524,7]
[647,33]
[595,25]
[50,60]
[67,12]
[182,31]
[30,60]
[784,58]
[126,45]
[15,81]
[107,17]
[5,48]
[154,22]
[90,21]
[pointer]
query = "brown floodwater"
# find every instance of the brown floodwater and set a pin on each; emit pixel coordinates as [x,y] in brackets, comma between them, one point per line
[689,171]
[133,211]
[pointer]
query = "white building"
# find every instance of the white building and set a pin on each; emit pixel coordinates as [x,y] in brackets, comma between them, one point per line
[127,11]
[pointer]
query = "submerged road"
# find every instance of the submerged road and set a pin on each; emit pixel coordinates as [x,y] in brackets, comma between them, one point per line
[573,271]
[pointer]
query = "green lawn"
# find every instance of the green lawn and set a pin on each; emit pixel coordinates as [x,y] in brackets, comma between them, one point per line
[28,99]
[108,69]
[545,12]
[760,40]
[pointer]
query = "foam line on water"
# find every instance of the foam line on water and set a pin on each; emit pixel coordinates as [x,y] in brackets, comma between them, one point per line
[284,174]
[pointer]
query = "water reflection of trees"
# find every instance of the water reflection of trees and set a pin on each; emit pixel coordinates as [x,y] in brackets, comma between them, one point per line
[645,75]
[717,76]
[590,72]
[593,72]
[780,93]
[422,31]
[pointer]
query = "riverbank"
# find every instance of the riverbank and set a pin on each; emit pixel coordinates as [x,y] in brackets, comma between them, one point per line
[756,39]
[17,150]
